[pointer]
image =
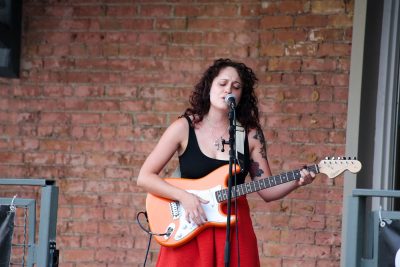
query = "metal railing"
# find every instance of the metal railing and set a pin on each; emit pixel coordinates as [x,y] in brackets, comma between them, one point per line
[32,251]
[363,227]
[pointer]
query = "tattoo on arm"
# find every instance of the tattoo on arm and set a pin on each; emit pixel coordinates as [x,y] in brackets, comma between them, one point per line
[260,137]
[255,170]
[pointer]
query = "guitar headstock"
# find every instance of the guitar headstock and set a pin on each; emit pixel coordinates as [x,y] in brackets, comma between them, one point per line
[333,167]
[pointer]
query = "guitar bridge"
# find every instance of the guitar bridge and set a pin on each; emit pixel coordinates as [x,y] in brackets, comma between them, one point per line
[174,206]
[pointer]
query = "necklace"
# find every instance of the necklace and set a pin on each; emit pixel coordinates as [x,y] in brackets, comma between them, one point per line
[218,141]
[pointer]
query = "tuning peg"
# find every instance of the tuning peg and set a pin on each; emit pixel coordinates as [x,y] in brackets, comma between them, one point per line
[326,158]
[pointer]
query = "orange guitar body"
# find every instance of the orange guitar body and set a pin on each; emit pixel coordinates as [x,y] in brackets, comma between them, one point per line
[166,215]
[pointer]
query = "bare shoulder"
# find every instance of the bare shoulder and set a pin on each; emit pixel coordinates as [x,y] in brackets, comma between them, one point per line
[179,126]
[177,132]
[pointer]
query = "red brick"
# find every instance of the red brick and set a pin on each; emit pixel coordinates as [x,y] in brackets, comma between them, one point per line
[148,119]
[81,227]
[327,238]
[328,262]
[250,9]
[156,10]
[311,21]
[92,214]
[13,171]
[183,52]
[294,107]
[266,37]
[313,251]
[38,158]
[78,255]
[327,7]
[187,38]
[170,24]
[10,157]
[282,121]
[272,22]
[332,50]
[110,227]
[55,118]
[151,38]
[304,208]
[120,213]
[104,105]
[111,255]
[118,173]
[279,250]
[319,65]
[284,64]
[50,145]
[272,50]
[290,35]
[293,7]
[122,11]
[89,11]
[218,38]
[85,118]
[71,185]
[298,263]
[68,241]
[280,220]
[227,10]
[341,21]
[297,237]
[271,261]
[27,91]
[26,144]
[333,108]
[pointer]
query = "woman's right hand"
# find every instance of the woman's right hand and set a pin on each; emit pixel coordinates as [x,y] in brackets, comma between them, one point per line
[194,212]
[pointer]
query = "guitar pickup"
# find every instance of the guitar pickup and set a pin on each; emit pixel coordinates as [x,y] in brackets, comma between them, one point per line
[174,206]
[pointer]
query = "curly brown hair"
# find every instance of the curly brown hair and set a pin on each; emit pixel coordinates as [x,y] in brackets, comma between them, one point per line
[246,110]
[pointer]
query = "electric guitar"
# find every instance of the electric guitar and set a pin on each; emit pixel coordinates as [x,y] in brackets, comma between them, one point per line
[167,217]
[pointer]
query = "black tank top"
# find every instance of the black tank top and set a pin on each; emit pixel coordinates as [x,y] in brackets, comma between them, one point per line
[194,164]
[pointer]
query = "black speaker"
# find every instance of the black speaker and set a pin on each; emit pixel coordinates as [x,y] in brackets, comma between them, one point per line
[10,37]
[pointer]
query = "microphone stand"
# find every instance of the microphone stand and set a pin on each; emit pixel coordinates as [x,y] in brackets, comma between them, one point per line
[232,160]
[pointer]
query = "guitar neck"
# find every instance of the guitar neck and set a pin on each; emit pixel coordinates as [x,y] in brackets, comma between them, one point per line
[254,186]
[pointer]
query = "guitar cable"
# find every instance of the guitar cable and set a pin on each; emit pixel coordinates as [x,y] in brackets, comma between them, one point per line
[150,233]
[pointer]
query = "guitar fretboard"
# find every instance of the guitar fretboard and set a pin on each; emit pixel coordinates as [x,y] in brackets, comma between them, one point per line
[254,186]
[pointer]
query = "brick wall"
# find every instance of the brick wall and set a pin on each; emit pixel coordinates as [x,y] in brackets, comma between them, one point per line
[101,80]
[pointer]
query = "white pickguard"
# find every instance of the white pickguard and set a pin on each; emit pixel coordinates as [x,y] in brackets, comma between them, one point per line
[211,210]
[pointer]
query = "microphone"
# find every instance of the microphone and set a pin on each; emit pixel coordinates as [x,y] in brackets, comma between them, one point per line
[230,100]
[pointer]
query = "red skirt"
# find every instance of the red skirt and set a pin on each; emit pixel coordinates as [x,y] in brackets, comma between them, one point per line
[207,249]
